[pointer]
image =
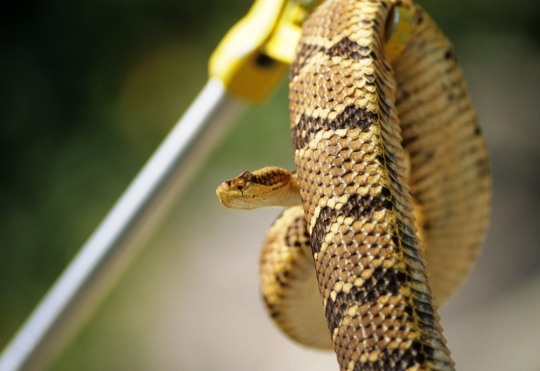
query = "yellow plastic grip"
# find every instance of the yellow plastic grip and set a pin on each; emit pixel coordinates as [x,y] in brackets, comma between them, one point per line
[254,55]
[239,61]
[400,33]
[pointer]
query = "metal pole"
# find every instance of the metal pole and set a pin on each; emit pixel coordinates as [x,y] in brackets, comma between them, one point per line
[78,290]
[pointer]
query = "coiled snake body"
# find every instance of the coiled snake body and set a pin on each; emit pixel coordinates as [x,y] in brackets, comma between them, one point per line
[394,186]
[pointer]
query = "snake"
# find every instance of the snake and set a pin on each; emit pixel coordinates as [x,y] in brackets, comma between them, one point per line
[387,210]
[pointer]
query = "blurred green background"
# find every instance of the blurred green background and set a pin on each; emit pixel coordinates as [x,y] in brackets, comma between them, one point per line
[90,88]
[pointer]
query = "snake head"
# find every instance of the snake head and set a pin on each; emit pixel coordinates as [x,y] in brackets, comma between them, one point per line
[267,187]
[237,192]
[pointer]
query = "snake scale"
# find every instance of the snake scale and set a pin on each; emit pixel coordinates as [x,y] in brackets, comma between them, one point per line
[391,196]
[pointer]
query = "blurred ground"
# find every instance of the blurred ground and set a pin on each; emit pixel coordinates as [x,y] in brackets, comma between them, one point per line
[90,88]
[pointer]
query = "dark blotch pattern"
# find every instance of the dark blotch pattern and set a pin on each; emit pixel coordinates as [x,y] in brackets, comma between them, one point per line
[408,141]
[357,206]
[388,160]
[477,130]
[351,117]
[450,55]
[346,48]
[382,282]
[303,53]
[271,308]
[320,229]
[297,235]
[363,207]
[395,359]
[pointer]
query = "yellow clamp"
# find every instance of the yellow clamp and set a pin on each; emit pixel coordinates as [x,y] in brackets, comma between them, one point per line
[255,53]
[402,26]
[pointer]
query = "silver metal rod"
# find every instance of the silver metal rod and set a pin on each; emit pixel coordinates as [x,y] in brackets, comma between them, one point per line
[93,270]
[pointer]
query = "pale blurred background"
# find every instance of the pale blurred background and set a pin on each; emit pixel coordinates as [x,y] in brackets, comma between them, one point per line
[89,88]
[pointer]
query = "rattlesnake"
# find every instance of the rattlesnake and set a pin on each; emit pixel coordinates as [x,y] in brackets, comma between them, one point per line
[394,185]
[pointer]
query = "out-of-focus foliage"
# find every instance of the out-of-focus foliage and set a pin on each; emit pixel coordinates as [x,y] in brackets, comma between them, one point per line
[88,89]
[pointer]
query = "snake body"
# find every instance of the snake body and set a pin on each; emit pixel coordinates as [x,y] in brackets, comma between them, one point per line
[394,182]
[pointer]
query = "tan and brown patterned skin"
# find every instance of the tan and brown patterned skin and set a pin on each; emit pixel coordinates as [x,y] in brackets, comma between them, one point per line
[347,103]
[394,179]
